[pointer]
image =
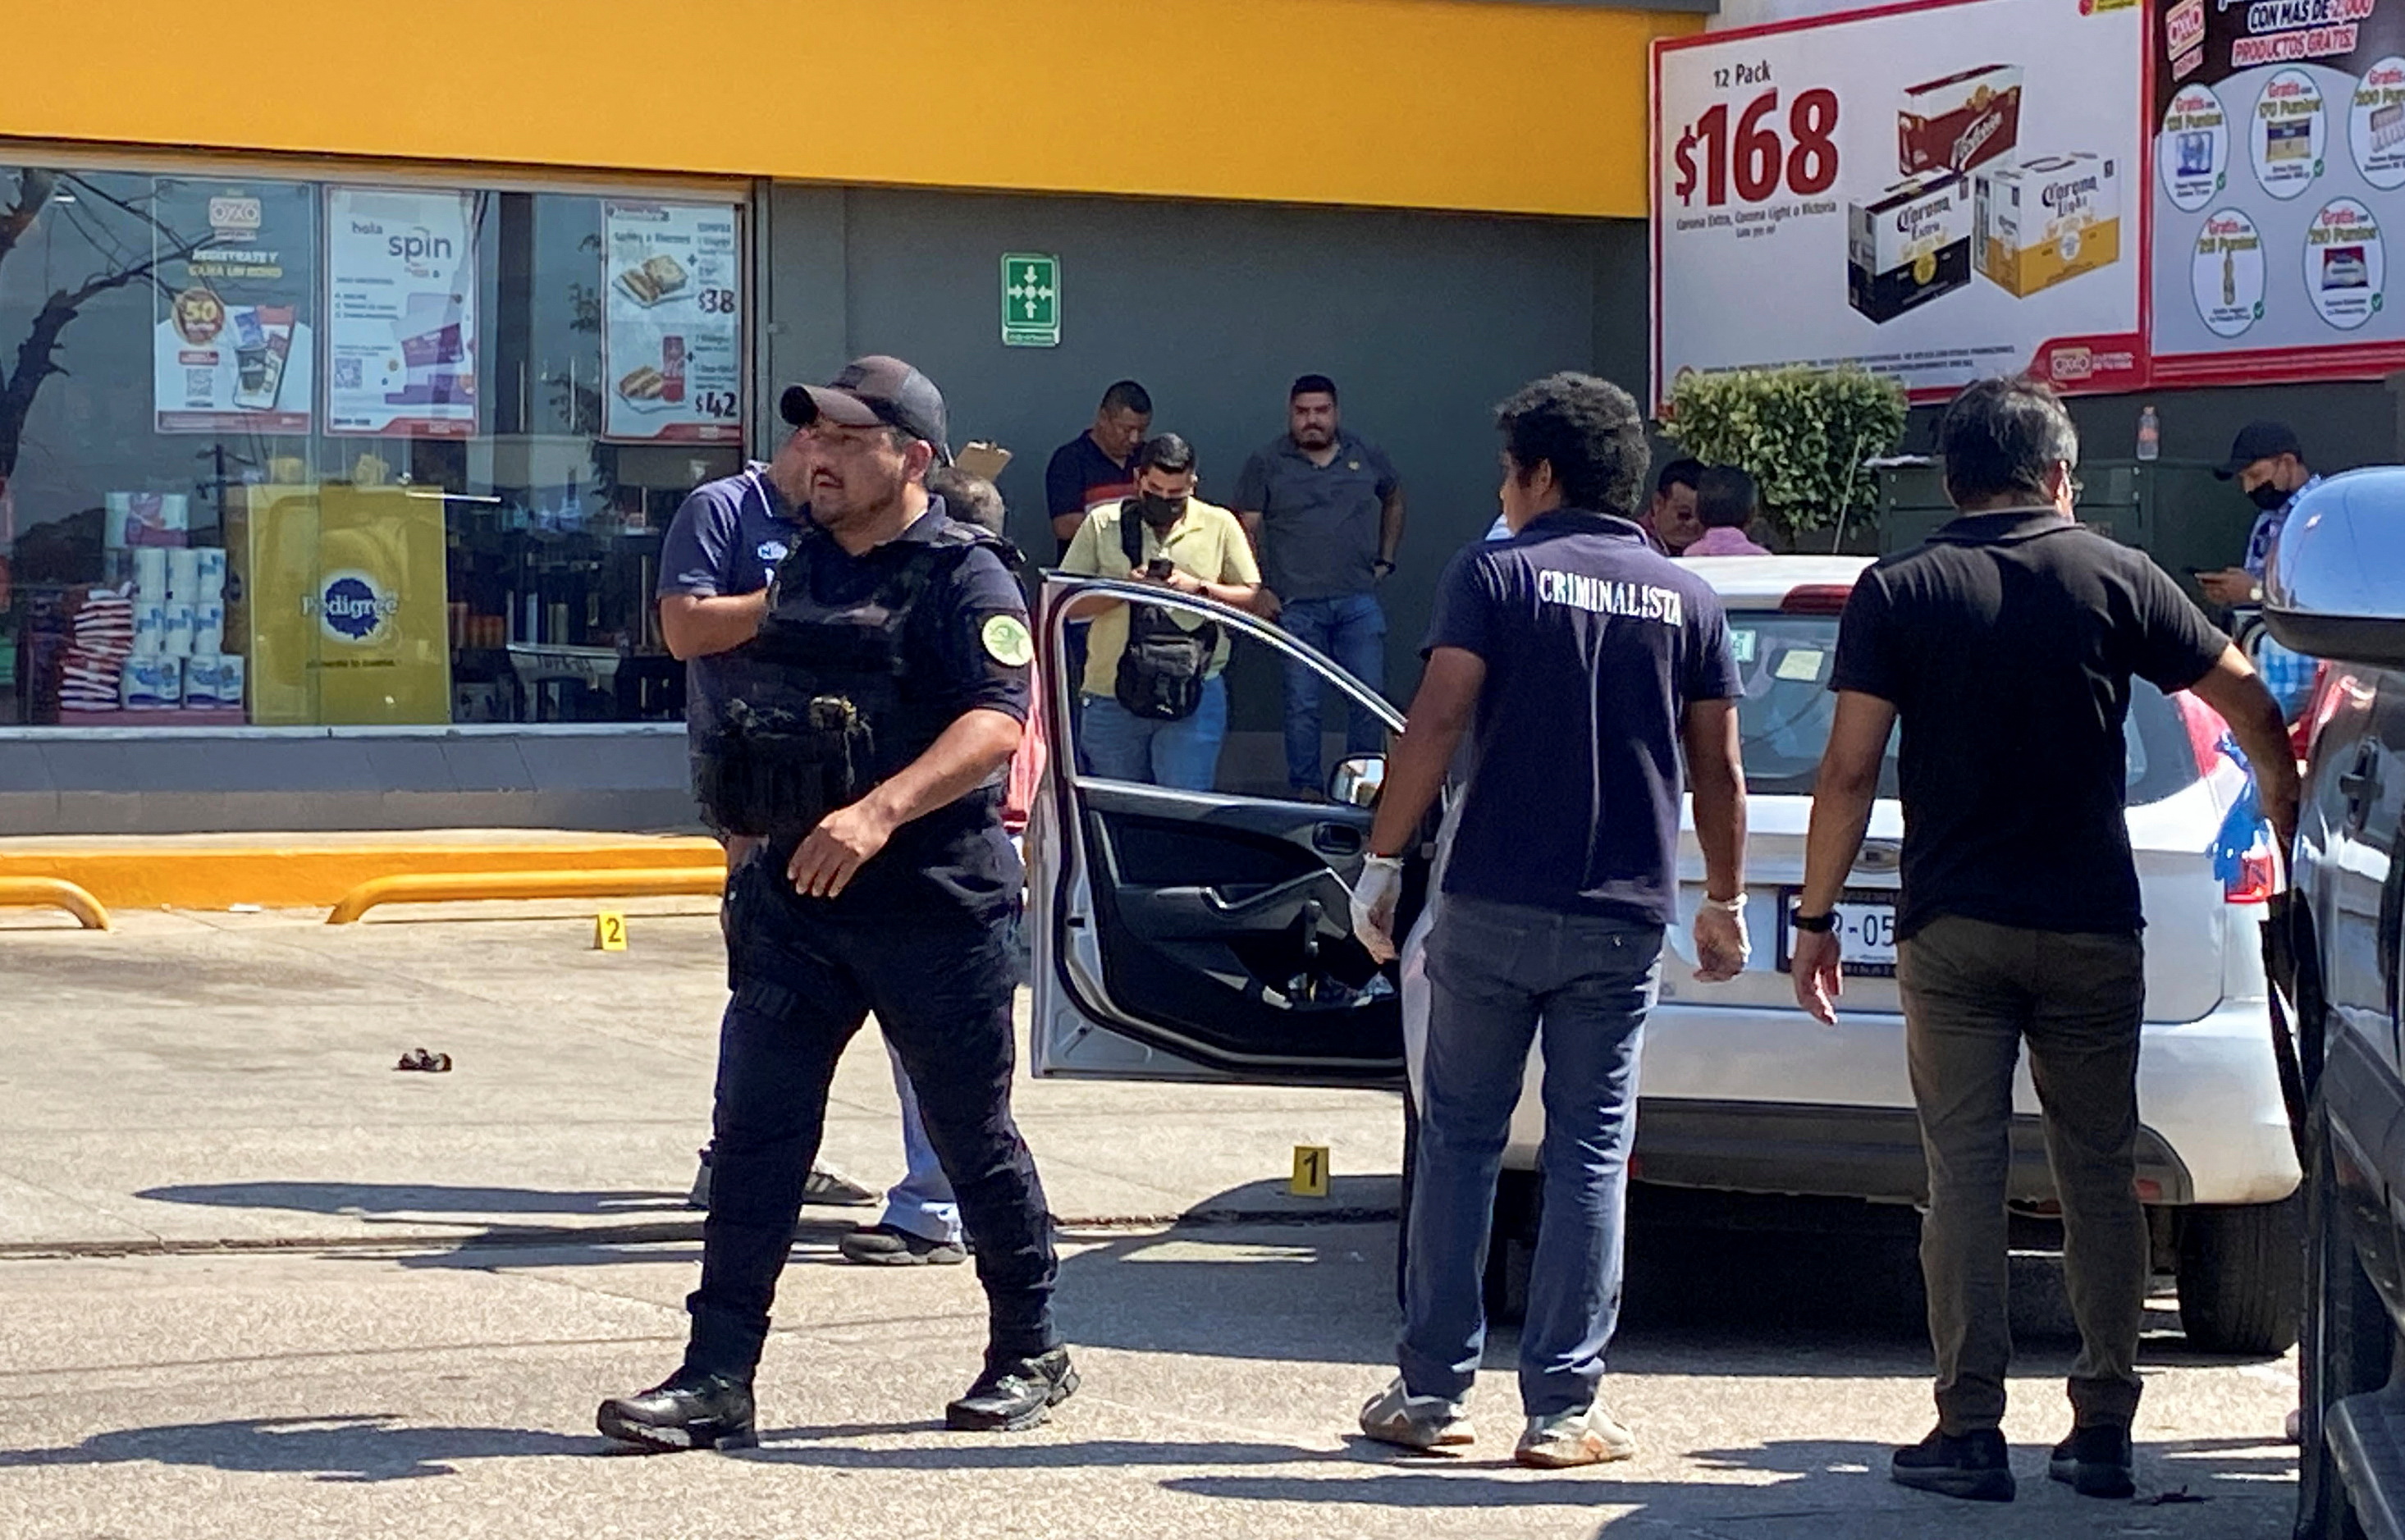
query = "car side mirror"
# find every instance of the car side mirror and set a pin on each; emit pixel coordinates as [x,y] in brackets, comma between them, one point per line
[2336,584]
[1357,781]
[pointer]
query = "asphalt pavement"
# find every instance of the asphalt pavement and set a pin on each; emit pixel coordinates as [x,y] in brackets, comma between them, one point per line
[255,1281]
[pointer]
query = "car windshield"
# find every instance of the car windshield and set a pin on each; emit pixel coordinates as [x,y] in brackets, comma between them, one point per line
[1784,721]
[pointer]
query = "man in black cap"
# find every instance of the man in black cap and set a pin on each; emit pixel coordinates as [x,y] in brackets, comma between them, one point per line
[2268,463]
[864,741]
[2269,466]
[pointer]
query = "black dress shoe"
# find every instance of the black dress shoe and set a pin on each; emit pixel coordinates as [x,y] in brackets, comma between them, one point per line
[690,1411]
[1014,1393]
[2095,1461]
[1973,1465]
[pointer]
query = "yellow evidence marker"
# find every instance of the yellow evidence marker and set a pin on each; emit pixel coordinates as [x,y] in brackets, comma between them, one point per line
[1309,1172]
[609,932]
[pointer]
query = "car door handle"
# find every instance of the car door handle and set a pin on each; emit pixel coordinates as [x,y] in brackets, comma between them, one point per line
[1337,839]
[2359,784]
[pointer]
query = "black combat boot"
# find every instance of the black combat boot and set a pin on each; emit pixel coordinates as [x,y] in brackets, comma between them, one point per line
[1975,1465]
[1014,1392]
[689,1411]
[2095,1461]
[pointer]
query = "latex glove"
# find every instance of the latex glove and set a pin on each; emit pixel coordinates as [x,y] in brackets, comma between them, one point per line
[1373,904]
[1720,945]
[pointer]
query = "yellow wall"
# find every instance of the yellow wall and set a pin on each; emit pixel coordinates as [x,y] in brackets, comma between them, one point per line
[1446,103]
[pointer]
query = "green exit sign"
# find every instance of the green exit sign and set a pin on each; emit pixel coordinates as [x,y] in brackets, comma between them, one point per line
[1031,300]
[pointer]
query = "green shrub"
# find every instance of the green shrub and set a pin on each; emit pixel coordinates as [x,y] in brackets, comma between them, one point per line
[1803,434]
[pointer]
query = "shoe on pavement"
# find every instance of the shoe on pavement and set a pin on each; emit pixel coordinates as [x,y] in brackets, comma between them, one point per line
[700,1196]
[1973,1465]
[1592,1437]
[1014,1394]
[2095,1461]
[688,1411]
[1423,1423]
[892,1246]
[830,1188]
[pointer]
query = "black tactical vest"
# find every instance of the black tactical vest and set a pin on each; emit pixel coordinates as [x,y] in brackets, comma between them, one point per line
[821,706]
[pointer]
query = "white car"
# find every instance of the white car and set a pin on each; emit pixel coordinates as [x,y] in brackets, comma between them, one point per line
[1186,935]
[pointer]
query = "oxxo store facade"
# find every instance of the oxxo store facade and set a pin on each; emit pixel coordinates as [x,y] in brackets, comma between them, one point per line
[339,424]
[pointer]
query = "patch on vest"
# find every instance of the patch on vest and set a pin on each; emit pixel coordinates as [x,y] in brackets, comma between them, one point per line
[1007,641]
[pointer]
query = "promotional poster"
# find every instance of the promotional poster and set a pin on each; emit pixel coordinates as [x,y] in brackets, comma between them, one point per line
[671,322]
[234,345]
[401,313]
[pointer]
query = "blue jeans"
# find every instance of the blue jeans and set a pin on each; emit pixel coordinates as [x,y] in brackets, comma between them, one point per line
[1495,971]
[1121,746]
[1352,629]
[922,1202]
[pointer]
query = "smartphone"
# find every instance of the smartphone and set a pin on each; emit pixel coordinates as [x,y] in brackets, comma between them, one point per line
[1158,568]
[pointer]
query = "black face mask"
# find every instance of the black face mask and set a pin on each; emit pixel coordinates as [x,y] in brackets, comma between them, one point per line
[2268,497]
[1158,512]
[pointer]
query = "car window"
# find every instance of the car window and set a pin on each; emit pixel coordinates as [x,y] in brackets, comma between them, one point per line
[1783,720]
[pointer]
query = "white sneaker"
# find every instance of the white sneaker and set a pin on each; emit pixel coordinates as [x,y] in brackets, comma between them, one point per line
[1423,1423]
[1589,1438]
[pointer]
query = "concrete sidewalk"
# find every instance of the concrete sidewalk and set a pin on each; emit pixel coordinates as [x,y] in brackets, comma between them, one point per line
[198,1080]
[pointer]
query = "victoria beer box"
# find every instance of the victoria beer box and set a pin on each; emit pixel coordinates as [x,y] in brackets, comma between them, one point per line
[2047,219]
[1910,247]
[1960,121]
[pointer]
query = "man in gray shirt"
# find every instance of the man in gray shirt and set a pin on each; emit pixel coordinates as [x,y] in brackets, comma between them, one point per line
[1326,509]
[715,562]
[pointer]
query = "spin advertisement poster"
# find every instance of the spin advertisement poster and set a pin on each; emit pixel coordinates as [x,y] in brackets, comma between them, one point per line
[1934,193]
[232,342]
[671,322]
[2279,157]
[401,313]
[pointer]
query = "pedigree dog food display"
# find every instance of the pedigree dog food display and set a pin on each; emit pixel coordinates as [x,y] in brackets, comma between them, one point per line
[2047,219]
[1910,247]
[1961,121]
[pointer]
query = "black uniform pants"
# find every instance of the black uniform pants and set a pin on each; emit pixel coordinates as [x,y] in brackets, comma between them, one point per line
[803,981]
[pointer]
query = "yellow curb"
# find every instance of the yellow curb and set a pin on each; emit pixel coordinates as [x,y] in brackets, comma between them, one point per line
[299,872]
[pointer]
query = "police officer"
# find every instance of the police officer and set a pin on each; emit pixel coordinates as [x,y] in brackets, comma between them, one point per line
[865,741]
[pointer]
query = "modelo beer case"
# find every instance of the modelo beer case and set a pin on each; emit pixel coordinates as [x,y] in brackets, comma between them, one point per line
[1959,121]
[2047,219]
[1910,247]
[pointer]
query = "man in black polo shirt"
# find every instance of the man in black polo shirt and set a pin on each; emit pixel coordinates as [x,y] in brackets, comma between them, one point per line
[1326,509]
[2005,646]
[1583,663]
[1098,465]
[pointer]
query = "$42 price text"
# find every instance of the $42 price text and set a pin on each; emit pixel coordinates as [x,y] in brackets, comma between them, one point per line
[1747,149]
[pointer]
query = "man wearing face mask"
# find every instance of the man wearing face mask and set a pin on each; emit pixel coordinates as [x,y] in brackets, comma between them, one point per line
[2268,463]
[1168,536]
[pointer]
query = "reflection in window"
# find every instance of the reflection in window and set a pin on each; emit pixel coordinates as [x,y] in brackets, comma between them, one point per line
[292,452]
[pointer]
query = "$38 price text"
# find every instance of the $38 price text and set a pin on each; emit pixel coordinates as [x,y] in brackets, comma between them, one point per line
[1748,152]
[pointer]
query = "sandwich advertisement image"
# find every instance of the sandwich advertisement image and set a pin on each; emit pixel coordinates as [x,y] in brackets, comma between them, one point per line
[233,341]
[2279,155]
[401,313]
[671,322]
[1939,192]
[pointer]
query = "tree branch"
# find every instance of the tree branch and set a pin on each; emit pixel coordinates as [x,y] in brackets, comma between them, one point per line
[34,189]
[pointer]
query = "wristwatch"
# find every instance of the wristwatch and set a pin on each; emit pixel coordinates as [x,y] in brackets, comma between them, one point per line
[1727,906]
[1814,925]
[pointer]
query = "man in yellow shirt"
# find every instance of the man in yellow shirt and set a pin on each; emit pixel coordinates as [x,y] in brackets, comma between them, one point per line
[1188,546]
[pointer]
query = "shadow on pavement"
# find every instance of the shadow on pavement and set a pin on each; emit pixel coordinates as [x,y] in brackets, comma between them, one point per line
[399,1197]
[356,1448]
[1832,1487]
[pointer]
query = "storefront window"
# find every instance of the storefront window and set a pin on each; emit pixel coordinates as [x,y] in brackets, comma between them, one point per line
[298,453]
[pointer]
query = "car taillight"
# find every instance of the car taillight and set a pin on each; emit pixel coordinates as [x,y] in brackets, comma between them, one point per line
[2254,880]
[1816,599]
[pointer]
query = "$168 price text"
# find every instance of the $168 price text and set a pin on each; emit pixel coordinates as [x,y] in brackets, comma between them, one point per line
[1749,150]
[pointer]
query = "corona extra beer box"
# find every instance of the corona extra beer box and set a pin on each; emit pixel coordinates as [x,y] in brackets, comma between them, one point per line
[2047,218]
[1960,121]
[1910,247]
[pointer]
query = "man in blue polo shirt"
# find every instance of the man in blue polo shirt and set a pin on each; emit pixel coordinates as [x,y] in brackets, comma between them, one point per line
[715,561]
[1581,662]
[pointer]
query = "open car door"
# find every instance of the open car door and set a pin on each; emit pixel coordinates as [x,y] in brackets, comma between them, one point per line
[1184,934]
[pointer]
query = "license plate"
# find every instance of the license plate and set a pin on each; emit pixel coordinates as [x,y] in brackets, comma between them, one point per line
[1866,932]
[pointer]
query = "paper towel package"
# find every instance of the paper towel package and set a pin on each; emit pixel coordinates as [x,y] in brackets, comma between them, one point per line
[203,680]
[150,629]
[145,518]
[176,636]
[208,626]
[183,575]
[212,571]
[152,682]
